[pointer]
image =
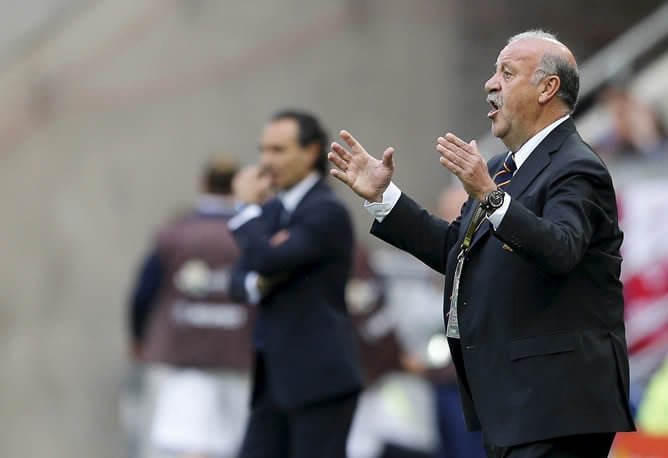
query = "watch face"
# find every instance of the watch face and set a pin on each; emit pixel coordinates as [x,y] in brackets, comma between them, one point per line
[495,199]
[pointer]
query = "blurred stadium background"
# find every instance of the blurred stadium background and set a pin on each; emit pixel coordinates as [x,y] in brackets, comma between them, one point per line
[110,107]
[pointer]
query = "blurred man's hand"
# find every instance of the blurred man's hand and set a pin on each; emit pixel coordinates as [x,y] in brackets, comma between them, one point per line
[279,237]
[251,185]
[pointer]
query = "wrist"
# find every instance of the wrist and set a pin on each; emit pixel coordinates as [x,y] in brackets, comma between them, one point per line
[493,201]
[376,198]
[482,196]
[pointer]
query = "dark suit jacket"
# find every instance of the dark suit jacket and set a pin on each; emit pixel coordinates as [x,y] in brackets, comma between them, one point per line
[541,313]
[306,336]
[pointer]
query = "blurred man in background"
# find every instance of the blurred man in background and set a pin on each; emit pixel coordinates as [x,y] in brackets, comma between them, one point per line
[194,339]
[307,373]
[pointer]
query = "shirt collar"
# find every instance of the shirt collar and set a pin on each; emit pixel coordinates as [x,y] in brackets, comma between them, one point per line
[291,198]
[213,204]
[522,154]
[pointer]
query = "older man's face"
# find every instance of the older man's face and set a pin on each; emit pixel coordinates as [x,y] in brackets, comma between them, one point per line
[513,97]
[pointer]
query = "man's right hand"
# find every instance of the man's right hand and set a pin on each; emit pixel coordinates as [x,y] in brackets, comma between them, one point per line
[251,185]
[367,176]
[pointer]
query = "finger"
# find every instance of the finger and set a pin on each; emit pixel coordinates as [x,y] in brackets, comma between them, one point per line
[448,164]
[456,157]
[279,237]
[388,158]
[355,146]
[342,152]
[337,161]
[455,140]
[339,175]
[464,157]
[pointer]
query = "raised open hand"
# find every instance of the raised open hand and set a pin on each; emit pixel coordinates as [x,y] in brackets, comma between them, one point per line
[367,176]
[466,162]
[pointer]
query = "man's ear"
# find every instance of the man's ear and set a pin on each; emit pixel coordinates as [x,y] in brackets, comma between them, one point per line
[549,88]
[313,151]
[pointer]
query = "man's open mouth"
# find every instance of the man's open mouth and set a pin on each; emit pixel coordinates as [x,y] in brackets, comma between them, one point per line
[494,110]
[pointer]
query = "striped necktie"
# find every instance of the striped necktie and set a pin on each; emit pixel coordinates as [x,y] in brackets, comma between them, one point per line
[503,176]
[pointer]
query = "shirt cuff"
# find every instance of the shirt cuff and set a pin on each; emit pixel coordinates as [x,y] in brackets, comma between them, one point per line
[248,213]
[497,217]
[380,210]
[252,291]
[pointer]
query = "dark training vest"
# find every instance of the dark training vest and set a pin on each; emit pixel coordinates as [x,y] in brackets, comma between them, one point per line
[194,323]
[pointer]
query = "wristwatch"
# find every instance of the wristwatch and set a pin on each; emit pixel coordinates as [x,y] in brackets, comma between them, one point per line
[493,200]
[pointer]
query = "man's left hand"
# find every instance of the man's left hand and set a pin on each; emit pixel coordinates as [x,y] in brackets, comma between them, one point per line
[465,161]
[279,237]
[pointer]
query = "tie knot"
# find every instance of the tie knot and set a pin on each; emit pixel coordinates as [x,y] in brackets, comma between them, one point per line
[505,174]
[509,163]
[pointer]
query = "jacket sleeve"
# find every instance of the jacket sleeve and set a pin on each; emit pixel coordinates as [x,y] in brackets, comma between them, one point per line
[237,287]
[412,229]
[579,205]
[320,231]
[144,296]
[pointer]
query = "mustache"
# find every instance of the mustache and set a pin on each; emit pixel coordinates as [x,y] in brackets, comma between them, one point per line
[496,99]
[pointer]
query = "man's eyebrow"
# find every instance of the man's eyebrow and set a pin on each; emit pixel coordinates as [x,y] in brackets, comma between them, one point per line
[499,64]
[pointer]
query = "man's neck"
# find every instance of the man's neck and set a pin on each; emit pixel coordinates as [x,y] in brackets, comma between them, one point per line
[292,197]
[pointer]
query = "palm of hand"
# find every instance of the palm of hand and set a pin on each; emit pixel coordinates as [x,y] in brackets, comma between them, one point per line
[369,177]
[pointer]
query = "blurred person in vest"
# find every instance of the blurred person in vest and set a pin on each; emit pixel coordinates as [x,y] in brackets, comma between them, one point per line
[533,302]
[194,340]
[296,258]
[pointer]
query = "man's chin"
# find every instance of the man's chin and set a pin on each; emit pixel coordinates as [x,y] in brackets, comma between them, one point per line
[498,131]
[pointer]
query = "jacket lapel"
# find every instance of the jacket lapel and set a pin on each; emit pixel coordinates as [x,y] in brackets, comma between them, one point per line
[317,188]
[539,158]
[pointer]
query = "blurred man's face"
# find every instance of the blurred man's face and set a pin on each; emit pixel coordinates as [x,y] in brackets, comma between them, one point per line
[514,98]
[283,159]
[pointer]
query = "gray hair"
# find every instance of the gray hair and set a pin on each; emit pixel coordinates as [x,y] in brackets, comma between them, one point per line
[554,64]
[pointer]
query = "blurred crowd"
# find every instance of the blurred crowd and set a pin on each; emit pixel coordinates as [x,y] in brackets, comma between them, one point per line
[634,129]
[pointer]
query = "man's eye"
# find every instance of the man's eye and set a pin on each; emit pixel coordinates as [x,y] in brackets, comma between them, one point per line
[506,74]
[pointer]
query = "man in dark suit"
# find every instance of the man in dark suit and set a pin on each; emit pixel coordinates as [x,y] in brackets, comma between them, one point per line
[533,301]
[307,374]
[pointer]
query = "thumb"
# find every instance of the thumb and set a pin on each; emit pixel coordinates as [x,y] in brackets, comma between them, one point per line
[388,158]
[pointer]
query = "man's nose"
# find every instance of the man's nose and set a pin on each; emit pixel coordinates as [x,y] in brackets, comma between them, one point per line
[264,159]
[491,84]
